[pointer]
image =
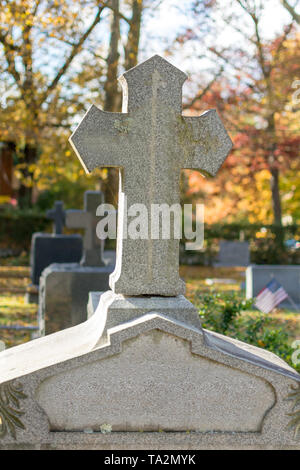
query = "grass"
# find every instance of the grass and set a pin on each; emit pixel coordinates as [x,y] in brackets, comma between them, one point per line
[14,309]
[197,279]
[18,261]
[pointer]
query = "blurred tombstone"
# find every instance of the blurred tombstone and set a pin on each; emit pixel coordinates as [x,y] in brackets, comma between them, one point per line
[87,220]
[233,253]
[48,248]
[64,287]
[258,276]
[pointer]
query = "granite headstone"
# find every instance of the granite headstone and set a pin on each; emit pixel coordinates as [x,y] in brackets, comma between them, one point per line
[258,276]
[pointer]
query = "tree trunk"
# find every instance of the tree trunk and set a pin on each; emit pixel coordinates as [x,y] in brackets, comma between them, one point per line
[30,155]
[133,40]
[6,168]
[276,203]
[112,97]
[276,196]
[272,163]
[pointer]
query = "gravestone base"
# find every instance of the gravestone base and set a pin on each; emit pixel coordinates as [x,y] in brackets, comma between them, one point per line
[154,383]
[116,309]
[258,276]
[63,294]
[32,294]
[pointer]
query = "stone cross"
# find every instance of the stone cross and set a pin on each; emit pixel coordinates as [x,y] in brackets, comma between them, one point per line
[87,220]
[150,142]
[58,215]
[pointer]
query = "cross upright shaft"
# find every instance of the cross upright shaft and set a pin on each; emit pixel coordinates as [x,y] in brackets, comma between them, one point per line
[86,219]
[150,142]
[57,214]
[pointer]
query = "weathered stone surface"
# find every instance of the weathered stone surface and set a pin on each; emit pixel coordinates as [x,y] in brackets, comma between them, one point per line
[116,309]
[153,374]
[63,294]
[258,276]
[87,220]
[233,253]
[151,142]
[187,407]
[50,248]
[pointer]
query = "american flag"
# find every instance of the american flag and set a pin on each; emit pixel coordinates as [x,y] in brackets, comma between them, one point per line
[270,296]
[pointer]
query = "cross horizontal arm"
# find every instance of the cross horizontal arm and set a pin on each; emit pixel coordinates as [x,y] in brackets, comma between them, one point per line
[77,219]
[51,214]
[101,139]
[205,142]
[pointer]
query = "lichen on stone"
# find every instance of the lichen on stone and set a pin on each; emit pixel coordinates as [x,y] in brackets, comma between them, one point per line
[123,126]
[106,428]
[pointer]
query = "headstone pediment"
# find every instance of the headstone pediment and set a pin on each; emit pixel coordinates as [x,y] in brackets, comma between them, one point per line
[155,364]
[146,361]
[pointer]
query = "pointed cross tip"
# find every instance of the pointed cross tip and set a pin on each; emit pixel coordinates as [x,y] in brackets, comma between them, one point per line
[156,62]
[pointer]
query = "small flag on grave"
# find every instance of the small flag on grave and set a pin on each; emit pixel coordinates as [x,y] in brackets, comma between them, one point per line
[270,296]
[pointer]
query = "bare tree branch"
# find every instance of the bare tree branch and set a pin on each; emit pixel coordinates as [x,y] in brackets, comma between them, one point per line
[239,30]
[118,13]
[9,53]
[5,41]
[75,50]
[203,92]
[280,45]
[291,10]
[220,55]
[257,41]
[35,9]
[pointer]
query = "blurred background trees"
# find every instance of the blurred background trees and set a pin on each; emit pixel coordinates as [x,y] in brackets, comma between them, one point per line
[54,63]
[254,94]
[59,56]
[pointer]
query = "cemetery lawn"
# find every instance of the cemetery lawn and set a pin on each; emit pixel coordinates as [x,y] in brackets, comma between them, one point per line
[199,279]
[13,308]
